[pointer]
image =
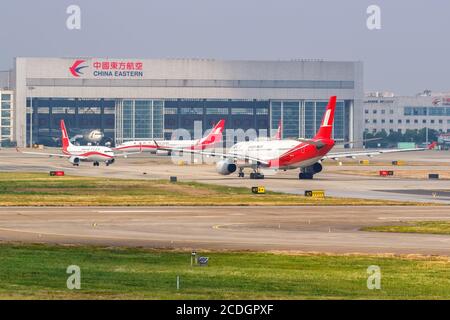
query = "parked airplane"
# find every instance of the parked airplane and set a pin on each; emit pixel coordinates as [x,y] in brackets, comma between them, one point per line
[303,154]
[211,140]
[76,154]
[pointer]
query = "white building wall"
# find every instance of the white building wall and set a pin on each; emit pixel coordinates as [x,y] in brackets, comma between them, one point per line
[50,77]
[388,113]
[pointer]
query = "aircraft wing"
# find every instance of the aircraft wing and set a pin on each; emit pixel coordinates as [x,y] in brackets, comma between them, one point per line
[337,155]
[213,154]
[126,154]
[60,155]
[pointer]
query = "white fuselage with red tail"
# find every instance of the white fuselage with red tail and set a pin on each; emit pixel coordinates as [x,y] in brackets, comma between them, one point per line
[209,141]
[76,154]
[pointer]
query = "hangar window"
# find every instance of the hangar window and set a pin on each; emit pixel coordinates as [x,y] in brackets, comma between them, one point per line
[170,111]
[6,122]
[408,121]
[109,110]
[6,113]
[243,111]
[6,105]
[63,110]
[6,97]
[262,111]
[89,110]
[436,111]
[216,110]
[191,110]
[43,110]
[399,121]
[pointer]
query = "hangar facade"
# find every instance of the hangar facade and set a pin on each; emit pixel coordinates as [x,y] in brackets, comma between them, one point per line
[141,99]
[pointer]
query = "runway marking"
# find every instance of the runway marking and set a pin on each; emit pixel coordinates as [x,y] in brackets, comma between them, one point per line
[140,211]
[414,218]
[87,237]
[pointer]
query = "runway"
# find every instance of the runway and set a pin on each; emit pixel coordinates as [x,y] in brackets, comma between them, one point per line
[316,229]
[350,180]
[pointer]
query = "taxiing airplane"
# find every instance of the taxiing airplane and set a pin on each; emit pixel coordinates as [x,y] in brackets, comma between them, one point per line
[303,154]
[211,140]
[77,154]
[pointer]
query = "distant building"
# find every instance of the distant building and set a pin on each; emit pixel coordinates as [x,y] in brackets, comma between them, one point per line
[385,111]
[140,99]
[7,116]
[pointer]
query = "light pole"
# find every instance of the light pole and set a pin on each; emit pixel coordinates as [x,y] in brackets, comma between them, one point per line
[31,116]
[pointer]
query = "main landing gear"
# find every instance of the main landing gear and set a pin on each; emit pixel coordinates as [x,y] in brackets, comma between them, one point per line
[305,175]
[254,175]
[309,172]
[96,163]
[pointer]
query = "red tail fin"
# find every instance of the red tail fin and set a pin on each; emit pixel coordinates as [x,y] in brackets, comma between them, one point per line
[277,136]
[326,127]
[215,136]
[65,138]
[432,145]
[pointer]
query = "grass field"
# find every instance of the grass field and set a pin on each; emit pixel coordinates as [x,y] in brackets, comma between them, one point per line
[39,189]
[39,272]
[430,227]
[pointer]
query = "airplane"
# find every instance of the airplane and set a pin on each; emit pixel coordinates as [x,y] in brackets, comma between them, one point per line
[277,135]
[212,139]
[303,154]
[77,154]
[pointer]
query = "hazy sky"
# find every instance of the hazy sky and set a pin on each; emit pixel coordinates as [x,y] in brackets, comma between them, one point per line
[410,52]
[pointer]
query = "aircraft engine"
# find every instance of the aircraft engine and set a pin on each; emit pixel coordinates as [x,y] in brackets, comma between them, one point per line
[316,167]
[74,160]
[225,167]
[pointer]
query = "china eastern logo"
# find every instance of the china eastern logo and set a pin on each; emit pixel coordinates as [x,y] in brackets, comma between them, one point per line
[76,68]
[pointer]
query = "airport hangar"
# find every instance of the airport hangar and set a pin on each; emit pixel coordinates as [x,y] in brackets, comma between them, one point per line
[139,99]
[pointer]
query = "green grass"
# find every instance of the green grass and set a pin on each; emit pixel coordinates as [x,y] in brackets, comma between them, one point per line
[39,272]
[39,189]
[430,227]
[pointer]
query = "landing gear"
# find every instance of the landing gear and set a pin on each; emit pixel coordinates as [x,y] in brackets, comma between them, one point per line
[256,175]
[304,175]
[241,173]
[309,172]
[96,163]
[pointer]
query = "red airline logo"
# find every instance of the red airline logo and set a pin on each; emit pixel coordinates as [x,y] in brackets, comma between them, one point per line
[75,69]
